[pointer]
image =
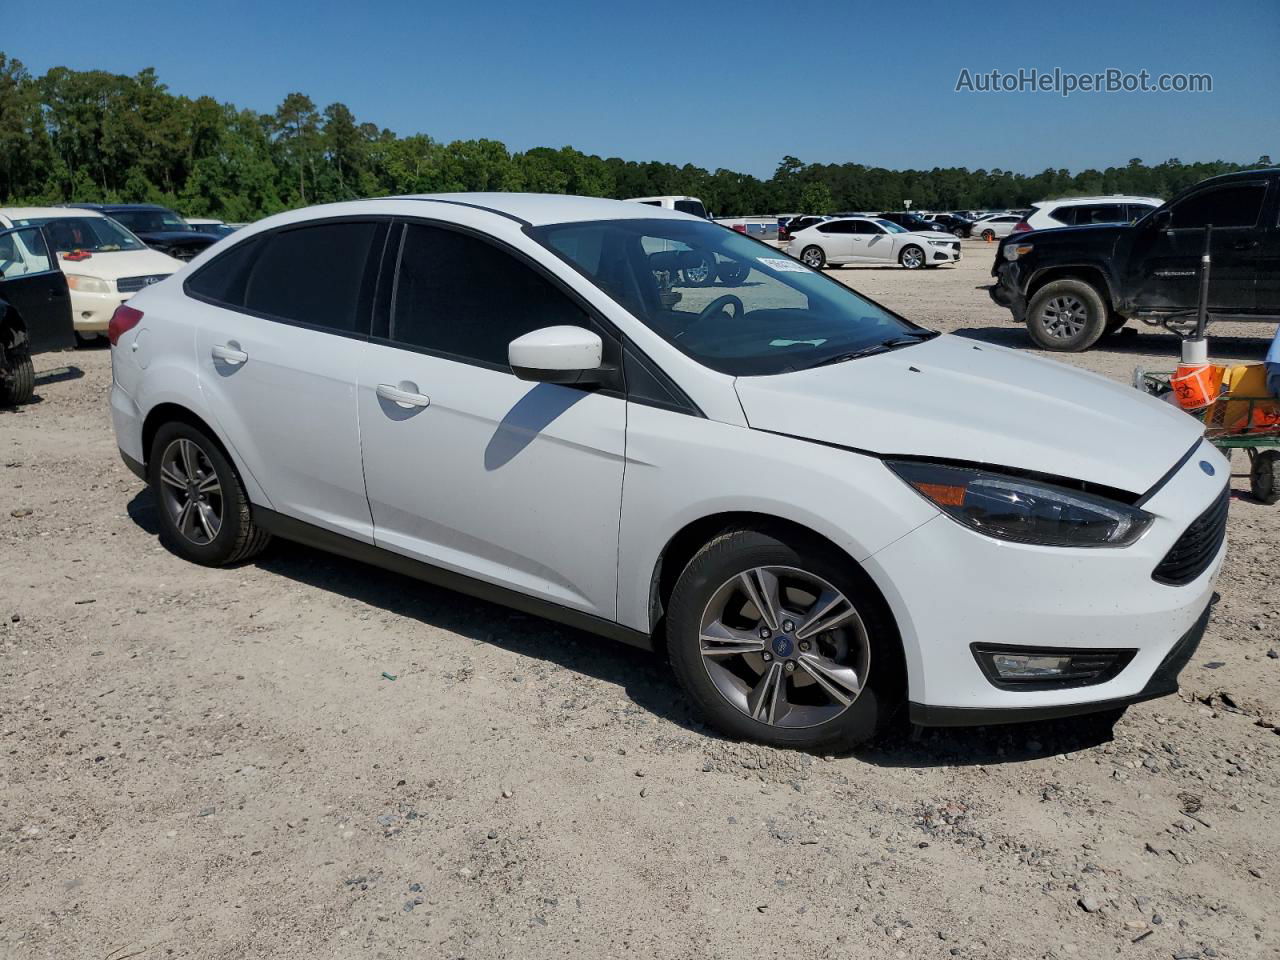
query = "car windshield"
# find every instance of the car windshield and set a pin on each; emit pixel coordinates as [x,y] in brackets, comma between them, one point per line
[892,227]
[731,303]
[91,234]
[151,221]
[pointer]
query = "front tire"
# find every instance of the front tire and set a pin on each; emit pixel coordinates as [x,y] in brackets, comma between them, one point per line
[912,257]
[1067,316]
[829,672]
[17,378]
[205,516]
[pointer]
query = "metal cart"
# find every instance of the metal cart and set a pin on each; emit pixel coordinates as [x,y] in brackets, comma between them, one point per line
[1232,422]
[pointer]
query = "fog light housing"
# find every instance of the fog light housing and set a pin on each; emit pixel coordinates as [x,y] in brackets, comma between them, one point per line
[1043,668]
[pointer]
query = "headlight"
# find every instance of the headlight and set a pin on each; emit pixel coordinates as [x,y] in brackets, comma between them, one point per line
[78,281]
[1026,511]
[1012,251]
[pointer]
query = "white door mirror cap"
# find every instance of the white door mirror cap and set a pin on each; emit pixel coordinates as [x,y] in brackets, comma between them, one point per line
[564,354]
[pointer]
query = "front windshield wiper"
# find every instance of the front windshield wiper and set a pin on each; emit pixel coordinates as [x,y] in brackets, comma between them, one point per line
[884,346]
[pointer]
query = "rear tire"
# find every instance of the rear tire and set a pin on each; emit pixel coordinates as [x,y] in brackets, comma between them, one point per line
[988,235]
[17,379]
[205,515]
[1264,476]
[1066,316]
[813,257]
[709,601]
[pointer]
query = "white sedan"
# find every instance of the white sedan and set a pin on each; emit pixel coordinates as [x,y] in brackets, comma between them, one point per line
[818,511]
[871,240]
[995,226]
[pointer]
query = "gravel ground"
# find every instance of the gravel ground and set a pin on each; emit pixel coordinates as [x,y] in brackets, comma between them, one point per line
[306,757]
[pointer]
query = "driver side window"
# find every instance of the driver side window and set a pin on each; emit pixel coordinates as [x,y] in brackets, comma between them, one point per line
[1234,205]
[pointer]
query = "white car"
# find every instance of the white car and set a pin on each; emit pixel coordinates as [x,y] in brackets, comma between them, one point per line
[216,228]
[1081,211]
[871,240]
[995,226]
[104,263]
[819,510]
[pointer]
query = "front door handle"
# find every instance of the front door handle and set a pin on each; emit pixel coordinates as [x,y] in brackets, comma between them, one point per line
[230,353]
[1244,244]
[401,397]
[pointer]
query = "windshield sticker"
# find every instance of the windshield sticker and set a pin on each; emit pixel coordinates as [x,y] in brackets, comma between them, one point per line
[783,265]
[796,343]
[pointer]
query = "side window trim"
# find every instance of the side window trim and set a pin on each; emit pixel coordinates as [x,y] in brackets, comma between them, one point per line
[379,238]
[50,256]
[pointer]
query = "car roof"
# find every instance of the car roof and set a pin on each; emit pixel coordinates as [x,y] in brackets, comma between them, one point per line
[117,206]
[1113,198]
[32,213]
[538,209]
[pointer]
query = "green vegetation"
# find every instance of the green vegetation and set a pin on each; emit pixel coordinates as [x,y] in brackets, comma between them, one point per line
[95,136]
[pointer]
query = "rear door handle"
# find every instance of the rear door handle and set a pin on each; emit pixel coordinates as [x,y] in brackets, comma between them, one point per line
[403,398]
[228,353]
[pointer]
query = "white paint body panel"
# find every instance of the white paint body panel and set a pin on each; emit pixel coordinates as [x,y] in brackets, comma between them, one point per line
[571,496]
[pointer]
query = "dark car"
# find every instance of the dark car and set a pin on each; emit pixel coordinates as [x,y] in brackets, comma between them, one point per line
[913,221]
[1073,285]
[954,224]
[35,309]
[156,226]
[793,226]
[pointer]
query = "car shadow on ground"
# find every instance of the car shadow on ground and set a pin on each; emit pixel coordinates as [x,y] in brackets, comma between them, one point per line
[644,677]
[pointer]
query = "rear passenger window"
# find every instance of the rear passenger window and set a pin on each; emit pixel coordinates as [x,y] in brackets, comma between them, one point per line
[314,275]
[1065,215]
[460,296]
[222,281]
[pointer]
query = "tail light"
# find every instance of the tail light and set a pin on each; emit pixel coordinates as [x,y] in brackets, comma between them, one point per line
[740,227]
[1021,227]
[122,321]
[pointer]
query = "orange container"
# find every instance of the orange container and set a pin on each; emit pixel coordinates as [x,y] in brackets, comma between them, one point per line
[1196,385]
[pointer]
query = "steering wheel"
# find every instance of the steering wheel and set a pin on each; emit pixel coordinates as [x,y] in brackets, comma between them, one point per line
[717,306]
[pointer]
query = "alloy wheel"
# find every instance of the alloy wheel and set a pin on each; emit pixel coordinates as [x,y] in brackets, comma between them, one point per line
[912,258]
[784,646]
[191,491]
[1064,317]
[812,258]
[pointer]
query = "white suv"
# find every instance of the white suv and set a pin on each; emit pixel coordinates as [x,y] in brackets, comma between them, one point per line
[1081,211]
[819,510]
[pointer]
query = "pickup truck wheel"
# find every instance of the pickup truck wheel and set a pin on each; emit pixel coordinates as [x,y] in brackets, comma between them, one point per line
[703,273]
[1264,476]
[1067,316]
[17,379]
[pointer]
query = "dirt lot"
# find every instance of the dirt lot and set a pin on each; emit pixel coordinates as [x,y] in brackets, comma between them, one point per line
[204,763]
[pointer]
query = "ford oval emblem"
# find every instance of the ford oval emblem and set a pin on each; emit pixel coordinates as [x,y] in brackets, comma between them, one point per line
[1207,467]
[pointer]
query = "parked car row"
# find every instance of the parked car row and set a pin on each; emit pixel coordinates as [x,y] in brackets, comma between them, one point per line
[819,511]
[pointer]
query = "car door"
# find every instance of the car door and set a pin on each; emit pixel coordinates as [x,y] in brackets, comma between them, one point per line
[877,243]
[33,285]
[279,319]
[837,239]
[1167,254]
[468,468]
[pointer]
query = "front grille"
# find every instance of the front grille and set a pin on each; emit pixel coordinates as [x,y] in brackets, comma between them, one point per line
[134,284]
[1198,545]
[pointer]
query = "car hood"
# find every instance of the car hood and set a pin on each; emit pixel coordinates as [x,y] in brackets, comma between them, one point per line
[123,263]
[953,399]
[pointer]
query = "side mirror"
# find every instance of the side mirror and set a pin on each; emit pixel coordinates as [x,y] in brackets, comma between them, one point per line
[1162,218]
[566,355]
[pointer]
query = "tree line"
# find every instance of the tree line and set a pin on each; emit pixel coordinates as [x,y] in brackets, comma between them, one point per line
[94,136]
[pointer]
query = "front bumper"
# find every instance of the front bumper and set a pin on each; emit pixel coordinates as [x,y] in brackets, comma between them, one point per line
[947,253]
[1007,290]
[91,312]
[950,587]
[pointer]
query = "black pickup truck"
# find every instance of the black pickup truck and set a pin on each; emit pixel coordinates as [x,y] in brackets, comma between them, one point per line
[1073,285]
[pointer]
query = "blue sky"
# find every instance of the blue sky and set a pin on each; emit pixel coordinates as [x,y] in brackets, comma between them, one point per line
[718,84]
